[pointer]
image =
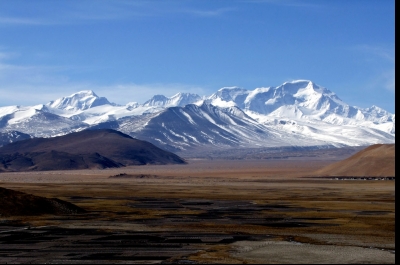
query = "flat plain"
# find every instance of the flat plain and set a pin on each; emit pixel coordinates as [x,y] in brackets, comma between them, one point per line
[205,211]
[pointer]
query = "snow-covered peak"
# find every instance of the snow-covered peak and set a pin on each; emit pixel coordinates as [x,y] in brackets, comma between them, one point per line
[376,109]
[7,110]
[85,93]
[40,107]
[299,82]
[252,94]
[377,114]
[297,113]
[156,100]
[228,97]
[132,104]
[228,93]
[182,99]
[294,87]
[81,100]
[233,88]
[178,100]
[310,100]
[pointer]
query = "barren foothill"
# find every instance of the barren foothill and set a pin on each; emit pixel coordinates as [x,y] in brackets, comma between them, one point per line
[87,149]
[375,160]
[205,211]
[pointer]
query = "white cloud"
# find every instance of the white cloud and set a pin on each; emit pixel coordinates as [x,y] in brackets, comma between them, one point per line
[384,80]
[381,60]
[21,21]
[44,83]
[288,3]
[13,74]
[380,52]
[207,13]
[75,12]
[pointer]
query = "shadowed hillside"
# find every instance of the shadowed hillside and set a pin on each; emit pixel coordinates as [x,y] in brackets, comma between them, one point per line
[12,136]
[81,150]
[19,203]
[375,160]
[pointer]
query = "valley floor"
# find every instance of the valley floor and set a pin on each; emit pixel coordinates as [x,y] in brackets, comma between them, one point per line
[207,211]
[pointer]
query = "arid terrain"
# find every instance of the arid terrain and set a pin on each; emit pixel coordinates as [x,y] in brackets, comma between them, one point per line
[376,160]
[205,211]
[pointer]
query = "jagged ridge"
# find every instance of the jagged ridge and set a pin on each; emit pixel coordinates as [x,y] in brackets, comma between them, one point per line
[295,113]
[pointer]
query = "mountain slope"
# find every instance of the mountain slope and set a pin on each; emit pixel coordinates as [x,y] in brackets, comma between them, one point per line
[85,149]
[297,113]
[194,125]
[19,203]
[37,121]
[12,136]
[375,160]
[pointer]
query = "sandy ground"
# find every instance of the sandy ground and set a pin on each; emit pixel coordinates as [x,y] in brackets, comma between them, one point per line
[272,252]
[292,218]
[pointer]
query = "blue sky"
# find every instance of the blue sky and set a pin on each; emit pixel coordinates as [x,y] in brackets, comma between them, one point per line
[129,50]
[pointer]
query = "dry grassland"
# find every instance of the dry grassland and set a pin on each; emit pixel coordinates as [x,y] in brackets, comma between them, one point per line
[217,211]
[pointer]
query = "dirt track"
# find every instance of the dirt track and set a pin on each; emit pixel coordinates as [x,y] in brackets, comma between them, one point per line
[206,211]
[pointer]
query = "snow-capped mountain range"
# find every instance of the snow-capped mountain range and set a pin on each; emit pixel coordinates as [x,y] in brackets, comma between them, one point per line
[297,113]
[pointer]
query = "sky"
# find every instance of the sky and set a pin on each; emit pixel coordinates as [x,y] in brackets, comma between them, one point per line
[130,50]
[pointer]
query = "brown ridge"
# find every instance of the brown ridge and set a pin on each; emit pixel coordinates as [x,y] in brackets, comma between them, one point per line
[19,203]
[376,160]
[81,150]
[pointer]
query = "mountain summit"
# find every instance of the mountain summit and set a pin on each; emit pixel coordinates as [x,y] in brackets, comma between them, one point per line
[296,113]
[178,100]
[301,99]
[78,101]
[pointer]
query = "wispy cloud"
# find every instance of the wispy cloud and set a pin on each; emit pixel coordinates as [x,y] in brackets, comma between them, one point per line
[21,21]
[383,80]
[73,12]
[122,9]
[382,60]
[287,3]
[54,81]
[108,10]
[207,13]
[117,93]
[18,80]
[389,80]
[12,73]
[379,51]
[6,55]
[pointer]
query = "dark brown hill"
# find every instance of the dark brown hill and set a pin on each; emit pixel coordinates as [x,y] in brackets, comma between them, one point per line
[80,150]
[19,203]
[374,161]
